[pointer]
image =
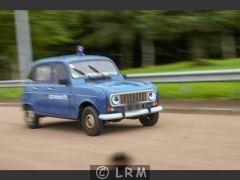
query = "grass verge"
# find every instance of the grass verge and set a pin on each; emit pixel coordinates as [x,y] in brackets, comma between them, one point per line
[200,90]
[196,90]
[10,93]
[187,66]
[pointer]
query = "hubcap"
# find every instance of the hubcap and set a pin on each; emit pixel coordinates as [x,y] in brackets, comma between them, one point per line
[90,122]
[30,116]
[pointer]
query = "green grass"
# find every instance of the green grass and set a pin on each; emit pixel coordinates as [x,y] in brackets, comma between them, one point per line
[10,93]
[200,90]
[187,66]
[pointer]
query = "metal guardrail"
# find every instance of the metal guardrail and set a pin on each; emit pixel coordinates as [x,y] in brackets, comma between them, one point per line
[189,76]
[13,83]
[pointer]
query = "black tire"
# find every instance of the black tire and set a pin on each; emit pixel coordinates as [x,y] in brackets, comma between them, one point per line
[149,120]
[90,122]
[30,118]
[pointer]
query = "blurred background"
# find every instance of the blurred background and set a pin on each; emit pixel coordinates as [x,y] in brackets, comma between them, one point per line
[138,42]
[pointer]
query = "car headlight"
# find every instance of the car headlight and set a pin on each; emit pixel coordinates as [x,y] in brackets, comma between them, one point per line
[151,95]
[115,99]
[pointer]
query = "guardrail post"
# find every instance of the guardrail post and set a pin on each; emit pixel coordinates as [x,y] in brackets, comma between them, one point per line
[24,44]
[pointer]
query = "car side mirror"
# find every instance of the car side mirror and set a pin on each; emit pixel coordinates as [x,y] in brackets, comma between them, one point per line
[63,81]
[124,76]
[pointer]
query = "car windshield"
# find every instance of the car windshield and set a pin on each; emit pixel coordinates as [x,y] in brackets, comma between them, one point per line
[93,68]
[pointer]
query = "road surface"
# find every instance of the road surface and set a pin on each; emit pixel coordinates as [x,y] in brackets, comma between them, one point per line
[177,142]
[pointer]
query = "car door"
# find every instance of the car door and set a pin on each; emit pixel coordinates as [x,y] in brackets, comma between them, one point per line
[39,95]
[59,91]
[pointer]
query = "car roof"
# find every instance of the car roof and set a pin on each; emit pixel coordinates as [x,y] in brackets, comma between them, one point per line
[68,58]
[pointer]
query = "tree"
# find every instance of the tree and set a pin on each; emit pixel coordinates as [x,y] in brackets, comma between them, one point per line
[194,25]
[228,23]
[107,28]
[146,26]
[8,60]
[49,31]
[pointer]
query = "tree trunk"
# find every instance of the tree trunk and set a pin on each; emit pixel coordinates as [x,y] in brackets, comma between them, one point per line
[148,52]
[126,56]
[14,71]
[228,44]
[197,50]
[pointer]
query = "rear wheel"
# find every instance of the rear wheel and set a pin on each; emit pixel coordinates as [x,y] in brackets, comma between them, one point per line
[90,122]
[30,117]
[149,120]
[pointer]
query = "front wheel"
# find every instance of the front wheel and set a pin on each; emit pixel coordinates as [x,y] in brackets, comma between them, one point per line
[90,122]
[30,117]
[149,120]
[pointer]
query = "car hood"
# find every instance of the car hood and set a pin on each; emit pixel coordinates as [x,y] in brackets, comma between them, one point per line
[122,86]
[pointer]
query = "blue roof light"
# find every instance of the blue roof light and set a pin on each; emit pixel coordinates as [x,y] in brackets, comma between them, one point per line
[80,50]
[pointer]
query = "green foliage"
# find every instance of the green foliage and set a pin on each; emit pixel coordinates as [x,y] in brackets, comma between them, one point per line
[49,30]
[166,36]
[7,44]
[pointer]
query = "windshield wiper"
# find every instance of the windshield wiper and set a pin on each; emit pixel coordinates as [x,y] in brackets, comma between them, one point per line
[79,72]
[96,71]
[88,75]
[84,74]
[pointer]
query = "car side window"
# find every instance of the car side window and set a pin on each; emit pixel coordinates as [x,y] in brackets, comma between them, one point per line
[59,73]
[43,74]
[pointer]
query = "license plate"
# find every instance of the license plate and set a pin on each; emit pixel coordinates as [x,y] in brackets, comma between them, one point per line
[133,107]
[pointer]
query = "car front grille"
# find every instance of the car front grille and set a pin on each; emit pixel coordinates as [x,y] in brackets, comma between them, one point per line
[133,98]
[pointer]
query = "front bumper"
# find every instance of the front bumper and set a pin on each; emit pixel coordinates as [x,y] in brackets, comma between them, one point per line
[129,114]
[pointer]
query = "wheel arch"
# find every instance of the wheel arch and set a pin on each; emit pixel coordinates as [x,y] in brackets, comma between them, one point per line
[25,105]
[83,105]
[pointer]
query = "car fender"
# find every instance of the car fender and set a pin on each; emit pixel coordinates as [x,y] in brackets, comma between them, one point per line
[98,100]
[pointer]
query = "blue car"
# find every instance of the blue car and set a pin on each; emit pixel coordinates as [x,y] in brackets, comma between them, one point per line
[87,88]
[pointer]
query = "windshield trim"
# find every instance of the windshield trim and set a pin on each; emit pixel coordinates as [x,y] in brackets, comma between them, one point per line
[86,77]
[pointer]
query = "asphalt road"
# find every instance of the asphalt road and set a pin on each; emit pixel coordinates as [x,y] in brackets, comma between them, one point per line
[178,141]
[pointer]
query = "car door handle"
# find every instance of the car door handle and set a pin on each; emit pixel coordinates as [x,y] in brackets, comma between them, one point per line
[35,88]
[50,89]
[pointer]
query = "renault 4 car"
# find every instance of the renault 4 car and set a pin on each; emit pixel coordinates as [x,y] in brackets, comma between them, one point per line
[87,88]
